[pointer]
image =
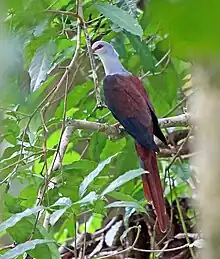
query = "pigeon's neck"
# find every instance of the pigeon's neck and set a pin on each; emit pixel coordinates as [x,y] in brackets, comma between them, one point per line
[112,65]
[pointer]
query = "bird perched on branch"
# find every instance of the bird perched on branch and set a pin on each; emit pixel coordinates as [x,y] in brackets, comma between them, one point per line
[128,101]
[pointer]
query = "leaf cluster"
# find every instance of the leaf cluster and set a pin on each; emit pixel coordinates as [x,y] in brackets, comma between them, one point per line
[97,174]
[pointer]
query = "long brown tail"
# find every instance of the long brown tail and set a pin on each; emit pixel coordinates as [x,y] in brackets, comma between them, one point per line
[153,190]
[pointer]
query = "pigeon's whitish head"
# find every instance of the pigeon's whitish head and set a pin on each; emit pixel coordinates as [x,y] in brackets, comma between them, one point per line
[104,49]
[109,58]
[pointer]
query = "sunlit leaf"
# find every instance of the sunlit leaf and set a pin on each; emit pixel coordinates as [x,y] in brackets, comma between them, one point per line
[17,217]
[123,179]
[40,65]
[124,204]
[90,198]
[84,185]
[22,231]
[21,248]
[55,216]
[64,201]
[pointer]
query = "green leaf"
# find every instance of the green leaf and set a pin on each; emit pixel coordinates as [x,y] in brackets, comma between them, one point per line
[20,249]
[10,130]
[191,34]
[10,151]
[121,196]
[148,61]
[163,90]
[130,204]
[90,198]
[22,231]
[111,147]
[81,167]
[17,217]
[3,191]
[40,65]
[99,207]
[94,223]
[123,179]
[64,201]
[130,6]
[182,170]
[127,160]
[54,217]
[84,185]
[121,18]
[97,143]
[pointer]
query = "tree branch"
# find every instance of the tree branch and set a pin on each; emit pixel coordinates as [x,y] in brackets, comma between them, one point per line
[111,131]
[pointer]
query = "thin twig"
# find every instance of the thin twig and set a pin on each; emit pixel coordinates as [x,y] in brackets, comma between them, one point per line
[180,120]
[95,19]
[75,15]
[179,150]
[7,247]
[179,104]
[125,250]
[43,190]
[63,78]
[17,163]
[157,64]
[45,130]
[99,103]
[51,93]
[84,239]
[75,233]
[183,223]
[132,247]
[162,250]
[111,131]
[79,15]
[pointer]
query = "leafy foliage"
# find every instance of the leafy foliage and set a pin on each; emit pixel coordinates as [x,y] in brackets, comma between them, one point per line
[98,174]
[20,249]
[121,18]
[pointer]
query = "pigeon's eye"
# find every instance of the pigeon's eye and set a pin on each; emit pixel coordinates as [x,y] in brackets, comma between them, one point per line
[99,46]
